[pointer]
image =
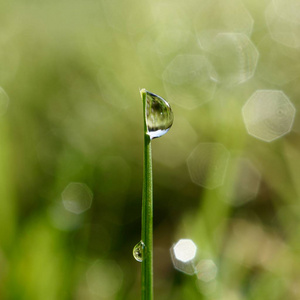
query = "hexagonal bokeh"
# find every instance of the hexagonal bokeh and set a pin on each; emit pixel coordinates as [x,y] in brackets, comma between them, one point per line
[268,115]
[4,101]
[233,56]
[189,80]
[220,15]
[283,20]
[185,250]
[207,164]
[206,270]
[77,197]
[183,254]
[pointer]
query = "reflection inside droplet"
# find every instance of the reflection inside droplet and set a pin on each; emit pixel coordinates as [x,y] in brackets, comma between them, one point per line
[159,115]
[139,251]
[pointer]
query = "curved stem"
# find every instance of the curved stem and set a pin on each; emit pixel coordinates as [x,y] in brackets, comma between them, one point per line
[147,214]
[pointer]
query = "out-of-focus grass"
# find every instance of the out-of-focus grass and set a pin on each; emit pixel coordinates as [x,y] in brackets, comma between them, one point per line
[72,71]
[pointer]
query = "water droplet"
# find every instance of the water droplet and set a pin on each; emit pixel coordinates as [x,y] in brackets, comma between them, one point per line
[159,115]
[138,251]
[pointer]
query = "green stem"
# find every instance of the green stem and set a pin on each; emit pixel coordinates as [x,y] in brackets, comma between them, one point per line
[147,214]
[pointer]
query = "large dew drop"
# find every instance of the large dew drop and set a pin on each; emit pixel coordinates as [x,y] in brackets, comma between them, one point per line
[159,115]
[138,251]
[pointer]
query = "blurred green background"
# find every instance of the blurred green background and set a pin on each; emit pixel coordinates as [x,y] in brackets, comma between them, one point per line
[73,125]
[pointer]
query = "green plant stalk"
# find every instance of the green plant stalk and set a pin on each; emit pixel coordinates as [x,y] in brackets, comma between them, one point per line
[147,214]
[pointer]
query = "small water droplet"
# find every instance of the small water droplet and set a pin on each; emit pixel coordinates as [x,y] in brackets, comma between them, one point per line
[138,251]
[159,115]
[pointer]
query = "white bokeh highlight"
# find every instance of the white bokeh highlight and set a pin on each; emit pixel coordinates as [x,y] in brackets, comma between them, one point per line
[207,164]
[183,254]
[77,197]
[233,56]
[268,115]
[185,250]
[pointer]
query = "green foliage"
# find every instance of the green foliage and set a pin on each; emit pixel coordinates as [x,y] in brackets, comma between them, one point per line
[72,70]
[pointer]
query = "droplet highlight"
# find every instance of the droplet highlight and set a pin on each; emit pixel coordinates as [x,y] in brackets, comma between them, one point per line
[159,115]
[139,251]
